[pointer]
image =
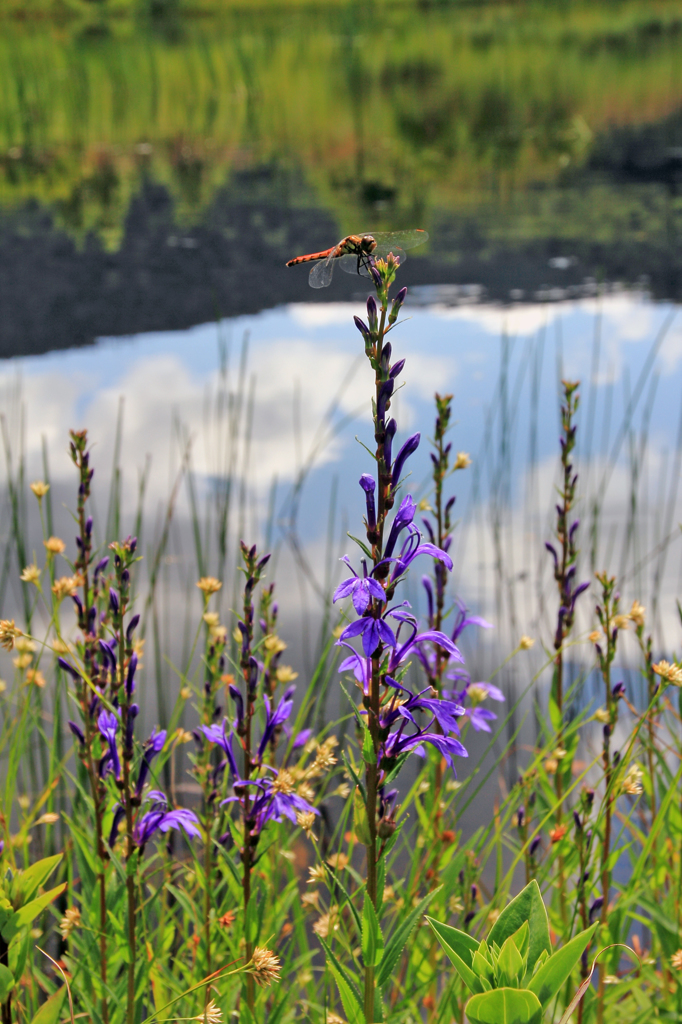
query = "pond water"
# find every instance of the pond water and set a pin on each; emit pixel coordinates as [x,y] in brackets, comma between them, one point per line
[155,178]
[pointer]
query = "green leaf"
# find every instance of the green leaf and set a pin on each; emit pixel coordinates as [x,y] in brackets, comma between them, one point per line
[368,752]
[444,934]
[372,936]
[27,883]
[398,940]
[50,1011]
[6,982]
[527,906]
[504,1006]
[360,823]
[30,911]
[547,981]
[350,996]
[510,965]
[363,547]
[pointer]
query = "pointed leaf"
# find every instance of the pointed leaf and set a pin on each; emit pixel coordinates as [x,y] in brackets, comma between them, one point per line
[510,966]
[6,982]
[30,911]
[547,981]
[398,940]
[470,979]
[50,1011]
[372,936]
[527,906]
[504,1006]
[27,883]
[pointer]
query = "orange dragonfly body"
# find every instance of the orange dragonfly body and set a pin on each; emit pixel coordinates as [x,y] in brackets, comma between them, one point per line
[354,254]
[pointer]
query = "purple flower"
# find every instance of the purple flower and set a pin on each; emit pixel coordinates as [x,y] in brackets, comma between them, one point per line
[274,798]
[107,723]
[275,717]
[464,619]
[219,735]
[373,632]
[132,626]
[403,518]
[130,678]
[412,548]
[361,588]
[160,819]
[77,732]
[368,485]
[101,565]
[68,668]
[403,455]
[152,747]
[113,601]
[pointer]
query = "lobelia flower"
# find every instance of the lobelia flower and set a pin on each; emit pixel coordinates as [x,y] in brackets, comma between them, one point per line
[361,588]
[107,723]
[274,799]
[152,747]
[160,819]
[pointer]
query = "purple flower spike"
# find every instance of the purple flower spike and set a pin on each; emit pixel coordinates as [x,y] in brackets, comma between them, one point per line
[130,678]
[403,518]
[113,600]
[373,632]
[403,455]
[385,391]
[101,565]
[219,735]
[132,626]
[77,731]
[160,819]
[275,717]
[107,723]
[372,314]
[152,747]
[63,663]
[362,327]
[368,485]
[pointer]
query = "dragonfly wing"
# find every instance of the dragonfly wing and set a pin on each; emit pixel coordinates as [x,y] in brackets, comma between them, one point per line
[349,263]
[401,239]
[382,251]
[321,273]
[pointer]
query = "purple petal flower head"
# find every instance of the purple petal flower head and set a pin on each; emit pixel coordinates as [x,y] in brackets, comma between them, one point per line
[109,652]
[390,431]
[160,819]
[275,717]
[219,735]
[368,485]
[107,723]
[274,799]
[301,739]
[152,747]
[101,565]
[362,327]
[532,849]
[397,369]
[236,696]
[403,455]
[113,601]
[618,691]
[361,588]
[412,548]
[372,313]
[373,632]
[133,712]
[63,663]
[464,619]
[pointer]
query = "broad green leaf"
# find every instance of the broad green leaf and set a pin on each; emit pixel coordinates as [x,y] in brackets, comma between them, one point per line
[6,982]
[31,910]
[372,936]
[463,944]
[527,906]
[50,1011]
[547,981]
[398,939]
[26,884]
[504,1006]
[470,979]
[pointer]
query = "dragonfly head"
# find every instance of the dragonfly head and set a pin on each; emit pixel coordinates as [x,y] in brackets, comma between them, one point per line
[368,244]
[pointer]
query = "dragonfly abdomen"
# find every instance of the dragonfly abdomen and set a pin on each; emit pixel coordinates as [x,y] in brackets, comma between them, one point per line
[311,256]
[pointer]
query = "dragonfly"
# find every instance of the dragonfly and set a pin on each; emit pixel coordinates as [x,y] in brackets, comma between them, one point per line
[355,253]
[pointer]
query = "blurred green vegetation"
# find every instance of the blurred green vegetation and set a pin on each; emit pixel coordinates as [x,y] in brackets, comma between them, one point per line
[390,112]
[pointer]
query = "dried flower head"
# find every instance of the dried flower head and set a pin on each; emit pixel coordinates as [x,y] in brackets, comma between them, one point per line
[558,833]
[60,647]
[212,1014]
[54,545]
[333,1018]
[636,613]
[71,920]
[24,643]
[31,574]
[672,673]
[327,923]
[65,586]
[306,791]
[526,642]
[462,461]
[476,693]
[311,899]
[209,585]
[676,960]
[227,920]
[49,818]
[211,619]
[338,861]
[3,685]
[39,488]
[285,674]
[551,765]
[306,820]
[632,783]
[317,874]
[621,622]
[283,782]
[602,715]
[186,692]
[273,644]
[36,677]
[8,634]
[265,967]
[183,735]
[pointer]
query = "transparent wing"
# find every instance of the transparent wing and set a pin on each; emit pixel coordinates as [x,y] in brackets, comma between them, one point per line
[401,239]
[383,250]
[353,264]
[321,273]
